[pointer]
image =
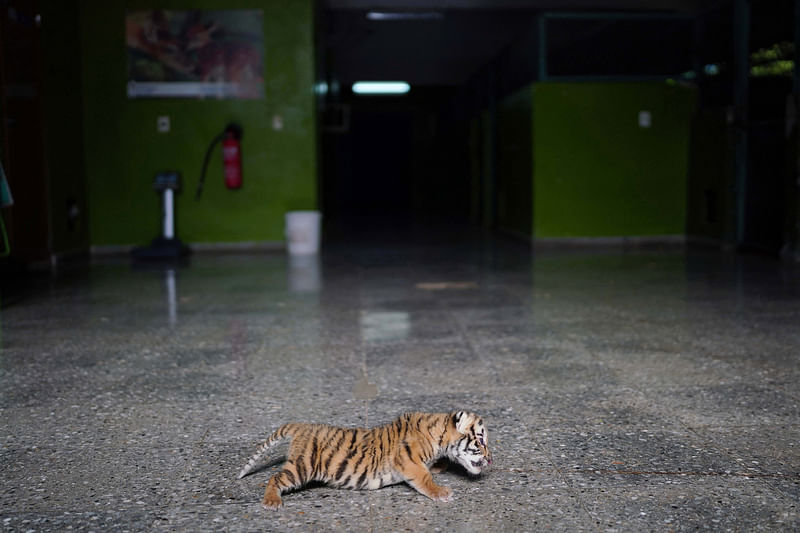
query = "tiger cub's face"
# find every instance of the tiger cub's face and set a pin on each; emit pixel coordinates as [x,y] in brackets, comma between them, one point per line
[471,450]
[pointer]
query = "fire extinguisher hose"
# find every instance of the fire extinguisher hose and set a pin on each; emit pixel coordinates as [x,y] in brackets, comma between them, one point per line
[6,248]
[202,180]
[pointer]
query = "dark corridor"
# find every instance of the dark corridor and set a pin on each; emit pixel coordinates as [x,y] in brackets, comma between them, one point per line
[437,151]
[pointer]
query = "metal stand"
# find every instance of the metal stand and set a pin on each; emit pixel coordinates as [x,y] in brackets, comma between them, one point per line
[167,246]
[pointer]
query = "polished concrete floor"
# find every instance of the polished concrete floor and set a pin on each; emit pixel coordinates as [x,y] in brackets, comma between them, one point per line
[623,390]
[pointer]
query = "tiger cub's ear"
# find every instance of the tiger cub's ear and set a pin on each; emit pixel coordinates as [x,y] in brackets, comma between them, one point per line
[462,421]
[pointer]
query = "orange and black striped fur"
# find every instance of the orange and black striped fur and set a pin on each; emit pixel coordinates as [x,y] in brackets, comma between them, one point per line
[357,458]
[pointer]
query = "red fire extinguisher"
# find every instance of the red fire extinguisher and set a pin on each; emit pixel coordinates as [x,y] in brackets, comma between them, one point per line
[231,158]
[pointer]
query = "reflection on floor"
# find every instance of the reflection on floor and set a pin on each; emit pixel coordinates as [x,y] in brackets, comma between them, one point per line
[629,390]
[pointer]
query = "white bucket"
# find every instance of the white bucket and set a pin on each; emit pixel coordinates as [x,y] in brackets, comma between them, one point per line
[303,232]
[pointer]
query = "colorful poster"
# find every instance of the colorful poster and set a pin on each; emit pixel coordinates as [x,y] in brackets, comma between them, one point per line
[195,53]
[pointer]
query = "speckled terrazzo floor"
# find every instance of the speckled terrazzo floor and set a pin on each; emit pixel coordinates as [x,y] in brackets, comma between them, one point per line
[626,391]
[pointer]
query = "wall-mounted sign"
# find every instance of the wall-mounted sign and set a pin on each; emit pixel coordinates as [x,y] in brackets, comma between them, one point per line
[195,53]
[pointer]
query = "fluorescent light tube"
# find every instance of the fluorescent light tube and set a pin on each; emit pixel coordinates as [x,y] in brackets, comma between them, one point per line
[381,87]
[404,15]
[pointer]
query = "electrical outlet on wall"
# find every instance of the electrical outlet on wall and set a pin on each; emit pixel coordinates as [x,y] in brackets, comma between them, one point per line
[645,119]
[162,124]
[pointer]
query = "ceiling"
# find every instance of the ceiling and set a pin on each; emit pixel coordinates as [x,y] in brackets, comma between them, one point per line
[446,49]
[637,5]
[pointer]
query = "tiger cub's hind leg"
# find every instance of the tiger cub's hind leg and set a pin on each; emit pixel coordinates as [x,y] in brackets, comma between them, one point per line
[285,480]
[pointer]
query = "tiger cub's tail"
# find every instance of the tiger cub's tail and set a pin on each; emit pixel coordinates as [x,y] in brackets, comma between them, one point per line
[280,434]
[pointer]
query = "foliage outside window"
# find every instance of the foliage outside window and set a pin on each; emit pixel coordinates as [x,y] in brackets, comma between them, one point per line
[776,60]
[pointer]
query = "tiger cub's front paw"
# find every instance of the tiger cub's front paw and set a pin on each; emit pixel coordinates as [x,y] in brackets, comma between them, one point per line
[272,502]
[441,494]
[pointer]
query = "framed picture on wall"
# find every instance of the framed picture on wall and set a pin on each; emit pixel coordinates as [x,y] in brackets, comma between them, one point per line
[195,53]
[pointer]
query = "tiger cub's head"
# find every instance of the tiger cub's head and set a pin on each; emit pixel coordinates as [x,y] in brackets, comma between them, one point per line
[471,447]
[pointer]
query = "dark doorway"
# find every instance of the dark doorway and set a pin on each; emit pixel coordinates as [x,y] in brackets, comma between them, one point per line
[397,157]
[764,214]
[368,167]
[23,130]
[765,208]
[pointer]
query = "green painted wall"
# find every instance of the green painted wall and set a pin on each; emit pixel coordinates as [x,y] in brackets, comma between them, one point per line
[124,151]
[596,172]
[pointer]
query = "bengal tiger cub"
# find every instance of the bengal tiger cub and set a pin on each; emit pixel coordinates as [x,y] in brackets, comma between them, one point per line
[356,458]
